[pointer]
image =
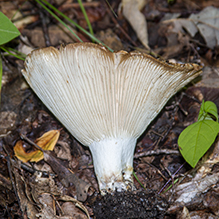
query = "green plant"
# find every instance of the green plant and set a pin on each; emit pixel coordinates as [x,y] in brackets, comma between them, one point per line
[7,30]
[86,17]
[197,138]
[46,4]
[138,180]
[7,33]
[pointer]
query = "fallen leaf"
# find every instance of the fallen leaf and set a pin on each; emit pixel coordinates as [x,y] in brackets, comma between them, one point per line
[77,203]
[46,142]
[47,207]
[63,152]
[69,208]
[67,177]
[131,11]
[26,205]
[21,154]
[184,214]
[205,22]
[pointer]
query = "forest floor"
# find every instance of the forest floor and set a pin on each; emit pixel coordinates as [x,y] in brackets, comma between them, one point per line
[170,188]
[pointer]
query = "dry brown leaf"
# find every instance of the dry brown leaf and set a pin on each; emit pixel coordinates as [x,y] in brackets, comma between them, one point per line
[63,152]
[69,208]
[46,142]
[131,11]
[205,22]
[26,205]
[47,208]
[67,177]
[77,203]
[184,214]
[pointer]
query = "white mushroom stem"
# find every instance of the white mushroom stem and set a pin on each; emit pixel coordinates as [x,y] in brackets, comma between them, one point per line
[106,100]
[113,160]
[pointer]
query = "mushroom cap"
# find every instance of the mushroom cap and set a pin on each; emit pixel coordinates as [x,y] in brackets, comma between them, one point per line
[97,94]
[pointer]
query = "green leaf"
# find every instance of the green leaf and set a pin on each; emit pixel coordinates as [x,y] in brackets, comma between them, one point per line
[196,139]
[208,111]
[211,109]
[7,30]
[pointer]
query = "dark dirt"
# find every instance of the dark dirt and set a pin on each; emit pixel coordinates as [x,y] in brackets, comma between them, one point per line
[137,204]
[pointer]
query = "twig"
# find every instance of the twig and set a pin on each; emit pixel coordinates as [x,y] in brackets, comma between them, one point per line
[45,29]
[172,177]
[118,26]
[31,142]
[11,177]
[156,152]
[76,5]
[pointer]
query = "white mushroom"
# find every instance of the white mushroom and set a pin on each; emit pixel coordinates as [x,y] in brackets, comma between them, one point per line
[106,100]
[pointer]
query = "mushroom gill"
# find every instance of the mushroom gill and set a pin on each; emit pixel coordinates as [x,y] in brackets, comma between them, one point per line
[106,100]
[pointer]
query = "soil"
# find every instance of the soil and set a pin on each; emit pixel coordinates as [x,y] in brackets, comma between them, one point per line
[137,204]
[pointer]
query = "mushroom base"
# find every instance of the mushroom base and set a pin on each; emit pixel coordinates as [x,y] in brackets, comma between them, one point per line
[113,163]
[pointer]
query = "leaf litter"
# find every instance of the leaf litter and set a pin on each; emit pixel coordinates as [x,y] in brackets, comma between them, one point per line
[24,112]
[206,22]
[47,142]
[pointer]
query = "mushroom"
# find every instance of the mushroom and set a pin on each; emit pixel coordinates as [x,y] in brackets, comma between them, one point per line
[106,100]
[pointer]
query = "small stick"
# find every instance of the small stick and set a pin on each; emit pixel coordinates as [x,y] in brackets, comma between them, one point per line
[156,152]
[31,142]
[45,29]
[119,27]
[171,179]
[8,159]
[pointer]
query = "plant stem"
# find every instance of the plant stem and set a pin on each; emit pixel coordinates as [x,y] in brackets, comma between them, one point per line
[86,17]
[71,21]
[12,54]
[57,18]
